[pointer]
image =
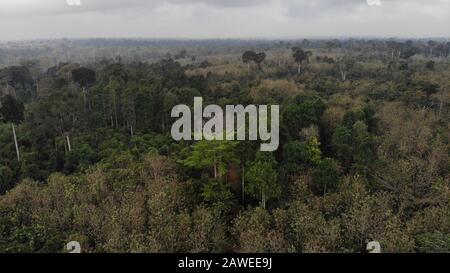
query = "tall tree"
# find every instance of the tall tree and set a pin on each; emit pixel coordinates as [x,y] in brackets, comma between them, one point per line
[326,176]
[85,77]
[345,65]
[262,178]
[432,45]
[300,56]
[15,77]
[302,111]
[215,154]
[246,151]
[259,58]
[248,57]
[11,111]
[35,68]
[251,56]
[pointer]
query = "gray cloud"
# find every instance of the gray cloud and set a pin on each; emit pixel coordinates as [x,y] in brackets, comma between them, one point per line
[306,8]
[223,3]
[302,8]
[23,19]
[45,7]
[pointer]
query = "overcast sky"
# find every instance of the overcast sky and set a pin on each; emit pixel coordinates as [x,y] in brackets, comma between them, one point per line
[31,19]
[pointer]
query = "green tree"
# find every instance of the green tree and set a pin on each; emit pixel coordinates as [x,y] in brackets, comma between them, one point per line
[345,65]
[259,58]
[217,191]
[248,57]
[300,56]
[11,111]
[301,155]
[216,154]
[85,77]
[262,178]
[246,151]
[251,56]
[301,112]
[435,242]
[353,144]
[326,176]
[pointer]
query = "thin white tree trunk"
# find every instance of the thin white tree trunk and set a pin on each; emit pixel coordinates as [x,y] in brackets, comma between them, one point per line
[343,75]
[215,170]
[15,142]
[69,147]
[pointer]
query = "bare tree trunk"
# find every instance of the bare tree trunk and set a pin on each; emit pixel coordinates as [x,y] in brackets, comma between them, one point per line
[68,143]
[299,68]
[343,75]
[131,131]
[15,142]
[215,170]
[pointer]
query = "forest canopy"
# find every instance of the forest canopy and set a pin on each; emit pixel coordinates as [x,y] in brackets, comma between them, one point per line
[86,153]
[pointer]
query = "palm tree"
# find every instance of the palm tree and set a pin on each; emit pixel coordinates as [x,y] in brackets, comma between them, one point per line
[300,56]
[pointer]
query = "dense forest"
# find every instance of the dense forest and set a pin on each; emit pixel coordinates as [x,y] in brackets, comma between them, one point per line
[86,153]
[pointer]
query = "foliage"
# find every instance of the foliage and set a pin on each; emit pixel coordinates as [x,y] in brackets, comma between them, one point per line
[262,178]
[364,148]
[216,154]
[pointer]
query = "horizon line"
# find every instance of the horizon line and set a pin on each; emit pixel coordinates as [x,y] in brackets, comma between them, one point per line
[286,38]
